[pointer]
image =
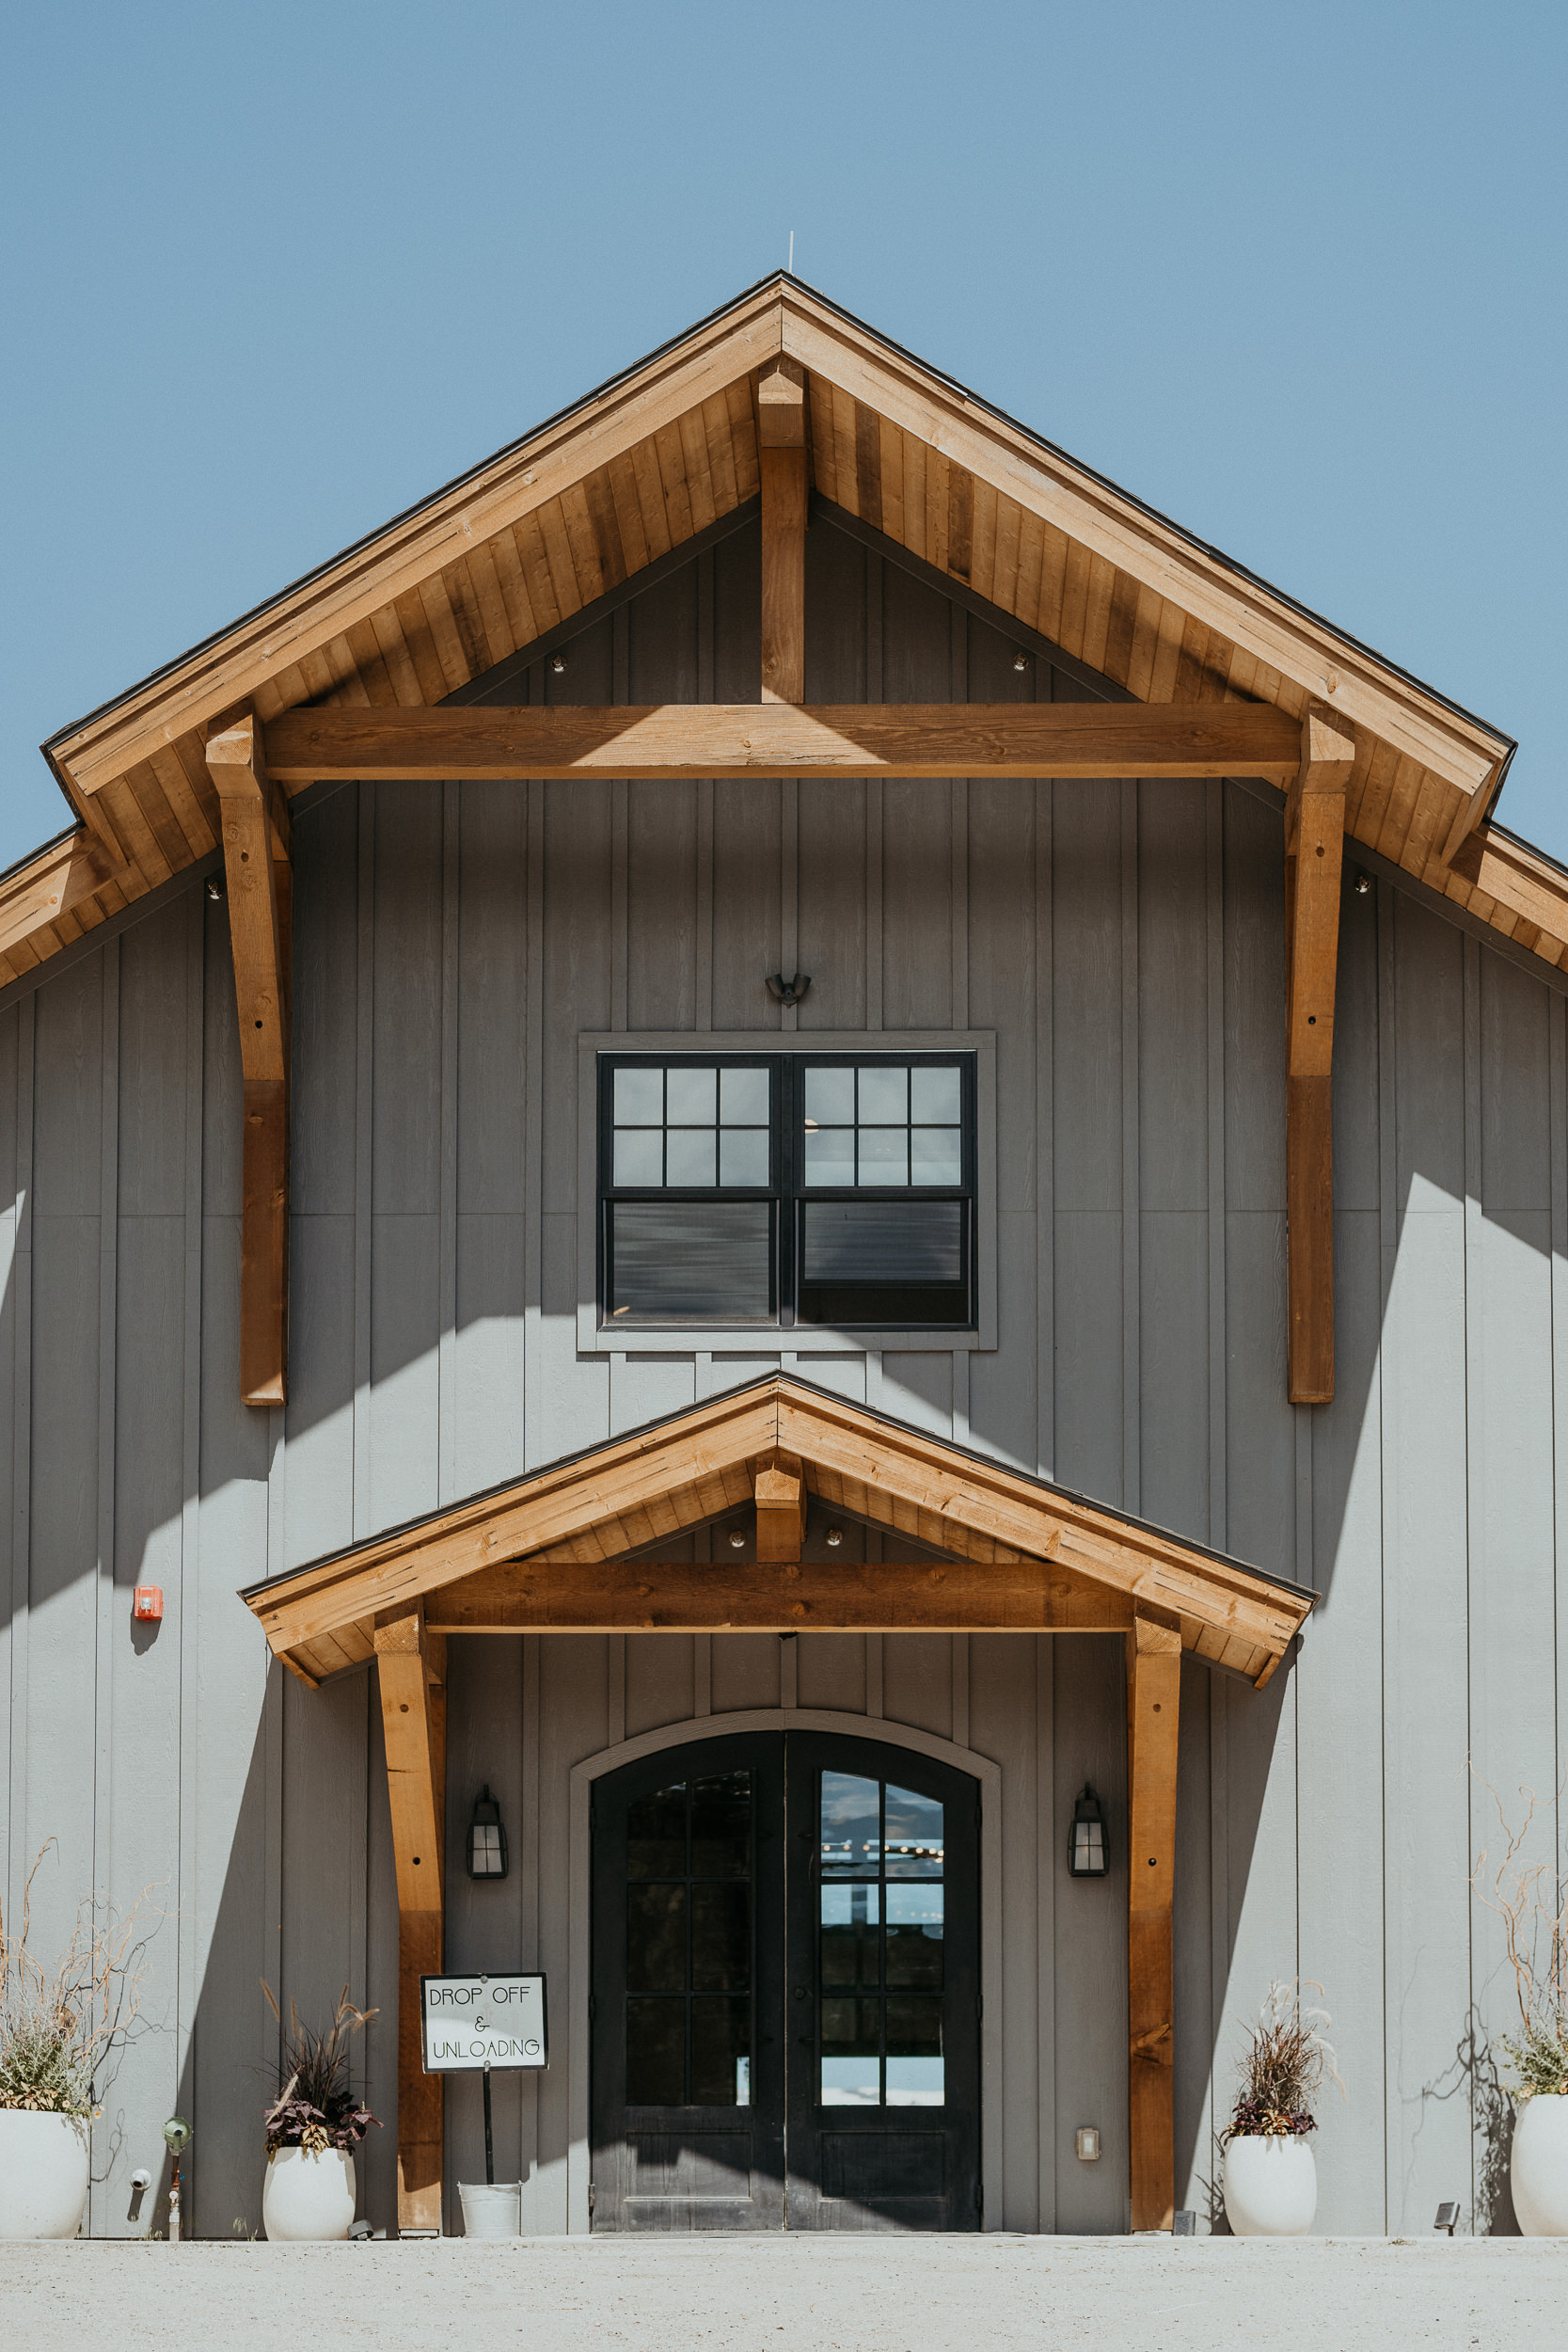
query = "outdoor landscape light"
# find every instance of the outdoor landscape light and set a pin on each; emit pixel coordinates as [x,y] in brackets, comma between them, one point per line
[486,1838]
[1087,1853]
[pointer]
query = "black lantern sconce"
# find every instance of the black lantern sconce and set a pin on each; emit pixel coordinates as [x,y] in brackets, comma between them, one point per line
[486,1838]
[1088,1853]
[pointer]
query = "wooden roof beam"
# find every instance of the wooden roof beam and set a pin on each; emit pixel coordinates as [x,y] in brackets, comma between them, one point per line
[1314,849]
[257,842]
[660,741]
[782,462]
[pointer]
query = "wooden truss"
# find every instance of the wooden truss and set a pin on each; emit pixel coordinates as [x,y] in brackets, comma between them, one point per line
[557,1551]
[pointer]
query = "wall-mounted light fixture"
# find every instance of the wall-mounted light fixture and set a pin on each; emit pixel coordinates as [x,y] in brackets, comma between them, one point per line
[1088,1853]
[737,1539]
[834,1537]
[1363,885]
[788,992]
[557,665]
[486,1838]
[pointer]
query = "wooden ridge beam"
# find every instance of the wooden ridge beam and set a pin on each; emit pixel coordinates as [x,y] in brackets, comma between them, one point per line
[1154,1719]
[781,464]
[256,846]
[658,741]
[1314,850]
[725,1597]
[411,1672]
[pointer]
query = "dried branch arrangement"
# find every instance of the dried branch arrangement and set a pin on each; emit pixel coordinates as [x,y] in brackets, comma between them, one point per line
[1531,1900]
[63,2023]
[1286,2061]
[315,2107]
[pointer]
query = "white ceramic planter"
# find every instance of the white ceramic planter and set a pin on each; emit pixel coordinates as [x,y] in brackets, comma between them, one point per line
[1539,2169]
[309,2197]
[1271,2185]
[44,2174]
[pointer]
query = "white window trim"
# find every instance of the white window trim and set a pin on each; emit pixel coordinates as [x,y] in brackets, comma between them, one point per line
[809,1338]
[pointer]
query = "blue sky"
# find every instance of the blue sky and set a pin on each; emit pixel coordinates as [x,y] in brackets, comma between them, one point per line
[1294,275]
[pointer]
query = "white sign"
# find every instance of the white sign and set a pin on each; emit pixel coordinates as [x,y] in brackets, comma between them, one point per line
[474,2022]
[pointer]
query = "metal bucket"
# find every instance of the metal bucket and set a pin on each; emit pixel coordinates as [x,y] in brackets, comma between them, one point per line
[491,2211]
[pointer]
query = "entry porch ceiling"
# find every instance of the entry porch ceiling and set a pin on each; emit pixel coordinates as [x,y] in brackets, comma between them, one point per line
[508,554]
[553,1552]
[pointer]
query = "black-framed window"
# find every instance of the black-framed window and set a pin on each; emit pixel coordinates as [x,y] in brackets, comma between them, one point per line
[787,1188]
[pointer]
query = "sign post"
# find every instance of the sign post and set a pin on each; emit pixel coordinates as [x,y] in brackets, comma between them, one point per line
[474,2023]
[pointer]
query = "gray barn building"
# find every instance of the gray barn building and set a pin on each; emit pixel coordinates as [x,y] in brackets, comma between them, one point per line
[789,1441]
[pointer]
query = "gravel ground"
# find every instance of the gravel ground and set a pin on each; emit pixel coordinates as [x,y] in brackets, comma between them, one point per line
[824,2294]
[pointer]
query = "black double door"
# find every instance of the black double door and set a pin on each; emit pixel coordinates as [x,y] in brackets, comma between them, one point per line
[785,1971]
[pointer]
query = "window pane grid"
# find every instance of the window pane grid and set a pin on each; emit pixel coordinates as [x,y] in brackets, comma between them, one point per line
[690,1128]
[789,1190]
[881,1125]
[881,1856]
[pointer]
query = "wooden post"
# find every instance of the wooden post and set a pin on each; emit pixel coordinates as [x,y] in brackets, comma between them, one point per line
[781,1501]
[1314,848]
[411,1665]
[1153,1703]
[782,458]
[257,843]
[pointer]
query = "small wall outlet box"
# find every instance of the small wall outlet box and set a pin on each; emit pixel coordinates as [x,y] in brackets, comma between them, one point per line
[148,1601]
[1087,2144]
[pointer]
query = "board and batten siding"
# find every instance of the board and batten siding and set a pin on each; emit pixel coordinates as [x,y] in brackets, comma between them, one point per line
[1125,944]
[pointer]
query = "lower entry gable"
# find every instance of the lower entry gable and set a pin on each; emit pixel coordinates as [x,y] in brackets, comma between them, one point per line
[549,1550]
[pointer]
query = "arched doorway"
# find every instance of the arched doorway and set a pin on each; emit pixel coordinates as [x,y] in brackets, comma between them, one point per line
[785,1988]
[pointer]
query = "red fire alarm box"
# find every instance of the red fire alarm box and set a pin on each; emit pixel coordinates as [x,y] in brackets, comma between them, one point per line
[148,1601]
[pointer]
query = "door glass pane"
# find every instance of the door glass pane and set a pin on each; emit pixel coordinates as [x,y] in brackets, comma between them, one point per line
[914,1835]
[721,2053]
[914,1937]
[690,1098]
[850,1943]
[655,1834]
[721,1826]
[720,1936]
[655,1939]
[914,2064]
[851,1828]
[655,2054]
[852,2054]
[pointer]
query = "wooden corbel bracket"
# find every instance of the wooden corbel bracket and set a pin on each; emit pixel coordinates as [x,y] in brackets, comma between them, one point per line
[1314,852]
[258,871]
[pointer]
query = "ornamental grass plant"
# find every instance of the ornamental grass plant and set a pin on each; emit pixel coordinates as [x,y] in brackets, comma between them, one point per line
[1531,1900]
[1286,2061]
[63,2022]
[315,2107]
